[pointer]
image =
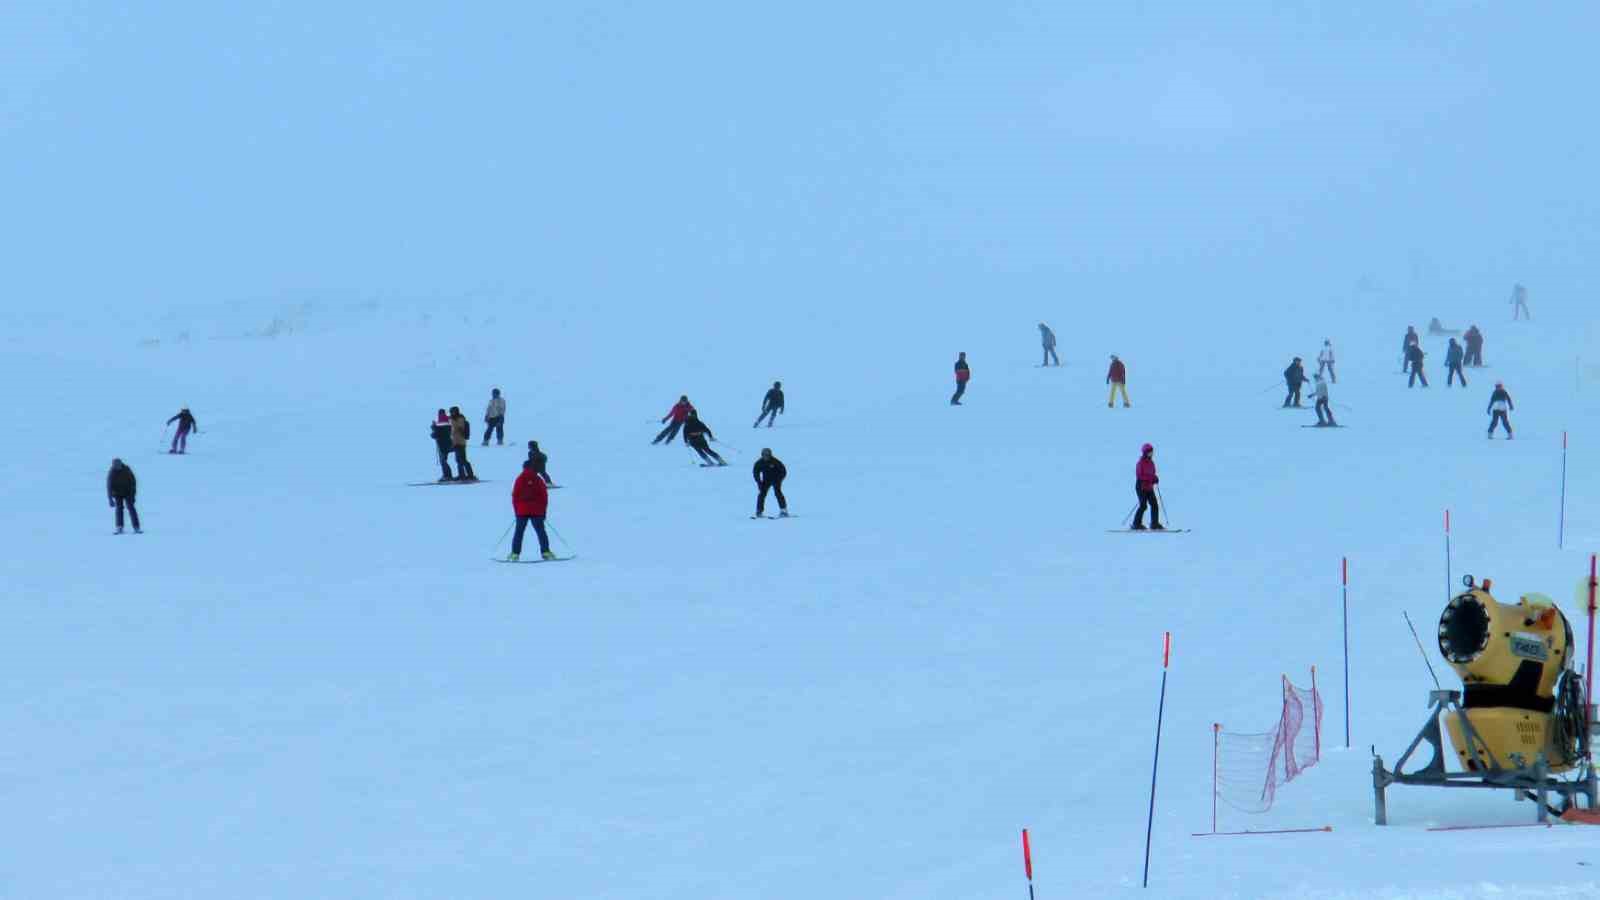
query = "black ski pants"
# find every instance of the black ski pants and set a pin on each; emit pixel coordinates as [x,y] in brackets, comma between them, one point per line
[770,414]
[961,388]
[1327,367]
[1050,354]
[668,433]
[706,453]
[538,529]
[777,491]
[1147,500]
[1499,418]
[1416,372]
[120,502]
[1324,414]
[1475,355]
[1293,399]
[463,468]
[1454,373]
[444,461]
[497,428]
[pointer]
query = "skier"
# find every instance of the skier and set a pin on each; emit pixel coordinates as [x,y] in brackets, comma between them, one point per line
[1048,338]
[1436,327]
[440,432]
[695,433]
[121,487]
[1474,340]
[769,473]
[1500,404]
[460,435]
[1295,378]
[1144,484]
[1452,364]
[1414,357]
[1519,303]
[530,501]
[1324,411]
[678,413]
[539,460]
[771,405]
[186,422]
[1406,343]
[1117,377]
[495,418]
[1325,360]
[962,374]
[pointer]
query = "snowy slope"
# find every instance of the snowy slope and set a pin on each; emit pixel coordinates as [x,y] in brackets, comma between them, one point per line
[308,679]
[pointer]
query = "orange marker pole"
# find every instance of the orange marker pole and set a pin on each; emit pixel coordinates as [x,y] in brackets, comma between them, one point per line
[1166,656]
[1449,583]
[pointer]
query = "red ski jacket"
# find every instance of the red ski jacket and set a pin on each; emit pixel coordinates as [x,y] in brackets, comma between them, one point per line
[1144,474]
[679,412]
[1117,374]
[962,373]
[529,496]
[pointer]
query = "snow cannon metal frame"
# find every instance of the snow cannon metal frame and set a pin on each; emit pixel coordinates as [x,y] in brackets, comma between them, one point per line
[1521,716]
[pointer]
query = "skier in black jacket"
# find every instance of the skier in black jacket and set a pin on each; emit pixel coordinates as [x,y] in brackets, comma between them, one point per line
[1414,357]
[1500,404]
[186,423]
[1452,364]
[769,473]
[537,457]
[695,433]
[1295,378]
[121,487]
[771,405]
[440,432]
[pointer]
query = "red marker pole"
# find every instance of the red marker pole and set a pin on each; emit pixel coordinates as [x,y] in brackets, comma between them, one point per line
[1344,578]
[1027,862]
[1216,741]
[1449,583]
[1561,530]
[1589,670]
[1150,821]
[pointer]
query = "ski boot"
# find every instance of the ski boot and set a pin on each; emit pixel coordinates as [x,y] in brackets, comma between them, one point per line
[547,556]
[783,514]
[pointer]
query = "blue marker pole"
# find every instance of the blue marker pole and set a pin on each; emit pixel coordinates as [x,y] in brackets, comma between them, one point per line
[1166,654]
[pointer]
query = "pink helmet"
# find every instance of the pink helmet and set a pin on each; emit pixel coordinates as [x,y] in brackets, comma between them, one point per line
[1147,448]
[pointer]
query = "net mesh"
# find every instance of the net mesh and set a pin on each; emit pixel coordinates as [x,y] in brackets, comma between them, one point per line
[1251,767]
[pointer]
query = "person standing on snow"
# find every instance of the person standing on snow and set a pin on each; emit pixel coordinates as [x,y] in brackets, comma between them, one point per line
[678,414]
[539,460]
[1519,303]
[460,436]
[1324,411]
[695,434]
[1474,340]
[1414,357]
[186,423]
[1406,343]
[1144,484]
[769,473]
[771,405]
[440,432]
[495,419]
[1452,363]
[1295,378]
[1048,339]
[1325,360]
[1117,377]
[121,487]
[530,501]
[1499,405]
[962,375]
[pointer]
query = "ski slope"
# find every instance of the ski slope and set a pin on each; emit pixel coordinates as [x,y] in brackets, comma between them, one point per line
[307,679]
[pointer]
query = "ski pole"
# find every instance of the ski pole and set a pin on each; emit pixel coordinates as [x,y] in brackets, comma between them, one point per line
[1129,517]
[552,529]
[503,537]
[728,445]
[164,429]
[1163,501]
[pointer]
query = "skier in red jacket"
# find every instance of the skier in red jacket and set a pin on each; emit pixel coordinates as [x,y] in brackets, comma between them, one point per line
[529,500]
[963,373]
[1144,484]
[678,414]
[1117,377]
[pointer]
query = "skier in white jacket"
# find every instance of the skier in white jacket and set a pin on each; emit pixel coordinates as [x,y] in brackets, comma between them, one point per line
[1324,412]
[1325,361]
[495,418]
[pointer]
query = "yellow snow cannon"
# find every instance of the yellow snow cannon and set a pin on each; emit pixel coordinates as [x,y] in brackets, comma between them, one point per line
[1510,658]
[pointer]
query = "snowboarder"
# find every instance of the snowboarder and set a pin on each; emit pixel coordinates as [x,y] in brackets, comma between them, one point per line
[539,460]
[530,501]
[1144,484]
[962,374]
[1414,357]
[121,487]
[186,423]
[678,413]
[1474,340]
[1048,338]
[1519,303]
[771,405]
[1500,404]
[1325,360]
[1406,343]
[1295,378]
[695,434]
[440,432]
[1324,411]
[1436,327]
[460,435]
[769,473]
[1117,377]
[495,419]
[1452,363]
